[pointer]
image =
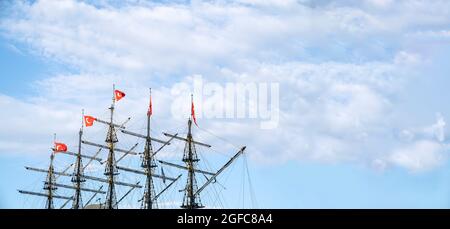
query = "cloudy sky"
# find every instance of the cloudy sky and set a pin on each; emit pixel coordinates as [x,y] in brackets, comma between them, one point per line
[363,88]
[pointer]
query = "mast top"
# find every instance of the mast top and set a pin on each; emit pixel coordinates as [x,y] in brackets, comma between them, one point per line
[82,120]
[53,148]
[113,96]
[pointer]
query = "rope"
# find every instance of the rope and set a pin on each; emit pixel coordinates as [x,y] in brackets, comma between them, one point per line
[252,192]
[221,138]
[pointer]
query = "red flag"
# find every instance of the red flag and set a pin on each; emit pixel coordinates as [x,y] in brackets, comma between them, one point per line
[60,147]
[150,108]
[119,95]
[193,113]
[89,120]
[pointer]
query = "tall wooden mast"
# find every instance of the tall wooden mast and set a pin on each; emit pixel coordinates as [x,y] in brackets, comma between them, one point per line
[77,178]
[49,183]
[149,165]
[190,158]
[110,169]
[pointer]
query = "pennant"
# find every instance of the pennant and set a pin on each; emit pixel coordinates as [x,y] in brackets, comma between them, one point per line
[193,114]
[150,108]
[119,95]
[60,147]
[89,120]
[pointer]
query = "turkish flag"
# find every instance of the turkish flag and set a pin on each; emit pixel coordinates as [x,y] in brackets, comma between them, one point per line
[193,113]
[89,120]
[60,147]
[119,95]
[150,108]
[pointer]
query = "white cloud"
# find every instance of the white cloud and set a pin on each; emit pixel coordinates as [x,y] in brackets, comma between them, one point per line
[435,132]
[28,127]
[407,58]
[175,37]
[420,156]
[330,112]
[438,129]
[419,149]
[340,67]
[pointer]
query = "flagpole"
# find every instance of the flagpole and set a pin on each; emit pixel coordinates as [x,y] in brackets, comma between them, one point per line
[78,170]
[114,95]
[49,182]
[54,141]
[82,120]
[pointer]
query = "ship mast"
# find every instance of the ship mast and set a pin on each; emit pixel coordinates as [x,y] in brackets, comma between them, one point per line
[49,183]
[110,169]
[191,199]
[190,158]
[149,165]
[77,178]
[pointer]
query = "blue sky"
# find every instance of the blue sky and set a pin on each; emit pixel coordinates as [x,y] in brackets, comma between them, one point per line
[363,99]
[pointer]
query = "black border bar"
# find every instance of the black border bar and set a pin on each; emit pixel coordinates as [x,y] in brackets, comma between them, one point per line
[228,217]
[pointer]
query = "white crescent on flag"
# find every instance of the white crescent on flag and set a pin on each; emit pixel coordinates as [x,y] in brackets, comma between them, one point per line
[60,147]
[89,120]
[119,95]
